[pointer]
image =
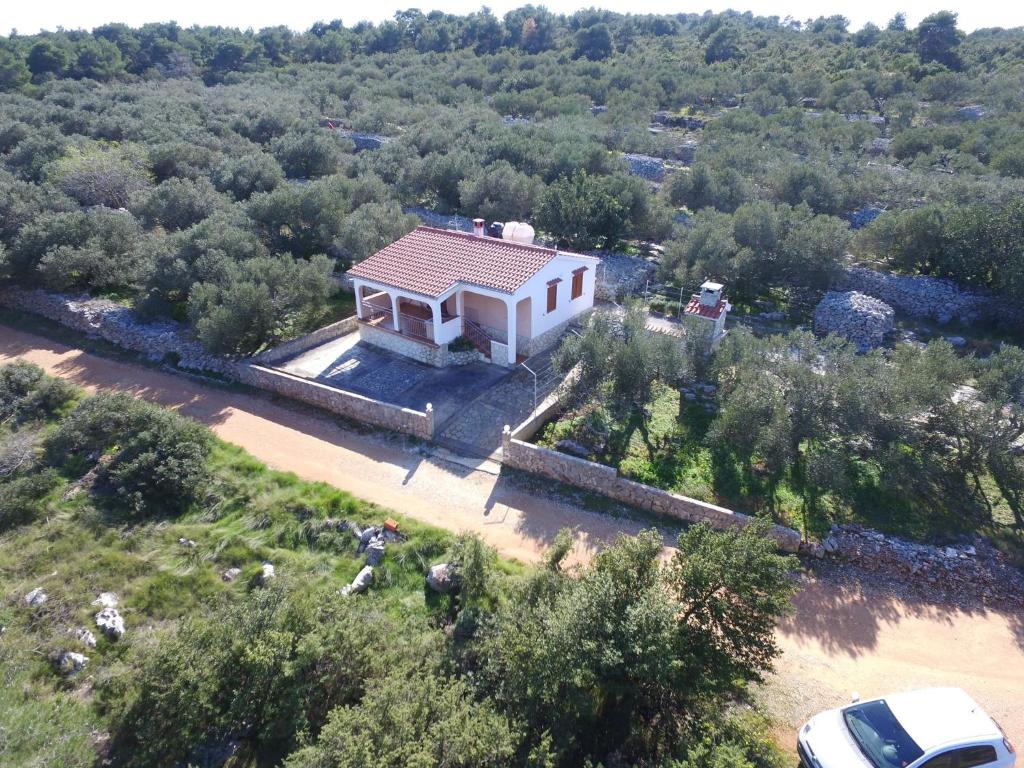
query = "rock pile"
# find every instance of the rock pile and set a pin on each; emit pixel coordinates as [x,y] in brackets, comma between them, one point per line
[863,216]
[372,542]
[119,325]
[670,120]
[964,572]
[620,274]
[646,166]
[441,220]
[860,318]
[364,141]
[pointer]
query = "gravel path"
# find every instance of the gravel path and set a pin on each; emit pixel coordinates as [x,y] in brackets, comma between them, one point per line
[845,635]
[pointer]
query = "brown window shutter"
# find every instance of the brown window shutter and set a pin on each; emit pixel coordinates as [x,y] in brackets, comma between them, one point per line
[577,283]
[552,295]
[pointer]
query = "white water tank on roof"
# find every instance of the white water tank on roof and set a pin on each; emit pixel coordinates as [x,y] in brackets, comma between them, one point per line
[518,232]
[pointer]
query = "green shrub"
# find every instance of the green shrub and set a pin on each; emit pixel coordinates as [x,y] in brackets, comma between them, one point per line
[461,344]
[27,394]
[152,460]
[21,499]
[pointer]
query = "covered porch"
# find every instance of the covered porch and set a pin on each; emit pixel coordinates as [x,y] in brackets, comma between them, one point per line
[483,317]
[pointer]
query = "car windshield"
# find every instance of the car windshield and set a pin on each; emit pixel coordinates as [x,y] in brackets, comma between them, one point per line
[880,736]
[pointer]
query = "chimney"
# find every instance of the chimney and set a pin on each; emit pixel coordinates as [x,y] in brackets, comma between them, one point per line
[478,227]
[710,293]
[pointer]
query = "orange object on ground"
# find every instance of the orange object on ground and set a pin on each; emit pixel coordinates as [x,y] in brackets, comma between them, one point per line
[391,525]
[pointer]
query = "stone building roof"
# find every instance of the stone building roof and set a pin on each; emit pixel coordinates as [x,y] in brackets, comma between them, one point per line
[429,261]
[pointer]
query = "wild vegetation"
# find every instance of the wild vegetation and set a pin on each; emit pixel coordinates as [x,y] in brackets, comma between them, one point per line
[200,173]
[627,660]
[920,440]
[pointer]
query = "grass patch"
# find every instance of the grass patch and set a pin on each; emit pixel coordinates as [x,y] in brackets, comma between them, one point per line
[249,514]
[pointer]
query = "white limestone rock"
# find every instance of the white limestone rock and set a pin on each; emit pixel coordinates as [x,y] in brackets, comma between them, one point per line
[442,577]
[36,597]
[360,583]
[84,636]
[70,663]
[110,623]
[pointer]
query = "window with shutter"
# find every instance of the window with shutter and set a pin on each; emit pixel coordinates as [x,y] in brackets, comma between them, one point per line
[577,283]
[552,295]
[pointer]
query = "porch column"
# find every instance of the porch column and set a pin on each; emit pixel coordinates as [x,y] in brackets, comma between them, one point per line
[395,323]
[510,306]
[435,313]
[358,288]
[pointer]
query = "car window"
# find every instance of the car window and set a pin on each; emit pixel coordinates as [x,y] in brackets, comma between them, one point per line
[972,756]
[968,757]
[945,760]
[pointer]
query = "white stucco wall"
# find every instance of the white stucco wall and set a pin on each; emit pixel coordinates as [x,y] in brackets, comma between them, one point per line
[524,318]
[562,267]
[488,311]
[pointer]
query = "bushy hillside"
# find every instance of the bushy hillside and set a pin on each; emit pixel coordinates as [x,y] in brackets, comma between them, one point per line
[220,176]
[237,645]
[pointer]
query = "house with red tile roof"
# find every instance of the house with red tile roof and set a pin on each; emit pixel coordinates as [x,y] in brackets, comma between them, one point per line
[507,297]
[704,316]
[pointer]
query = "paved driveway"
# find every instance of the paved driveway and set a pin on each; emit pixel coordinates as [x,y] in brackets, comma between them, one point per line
[472,403]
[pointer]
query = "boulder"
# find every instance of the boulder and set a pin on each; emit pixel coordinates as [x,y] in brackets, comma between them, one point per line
[36,597]
[84,636]
[375,551]
[360,583]
[231,574]
[70,663]
[110,623]
[442,577]
[266,575]
[106,600]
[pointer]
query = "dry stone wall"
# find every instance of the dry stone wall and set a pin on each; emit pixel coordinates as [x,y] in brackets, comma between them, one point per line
[604,480]
[158,340]
[931,297]
[118,325]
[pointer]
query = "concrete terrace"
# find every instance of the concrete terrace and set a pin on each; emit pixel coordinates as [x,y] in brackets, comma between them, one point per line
[472,403]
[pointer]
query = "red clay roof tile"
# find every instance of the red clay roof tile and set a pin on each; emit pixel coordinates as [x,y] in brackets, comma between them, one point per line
[696,308]
[428,261]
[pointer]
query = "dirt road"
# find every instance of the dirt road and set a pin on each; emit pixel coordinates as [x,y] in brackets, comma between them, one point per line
[839,639]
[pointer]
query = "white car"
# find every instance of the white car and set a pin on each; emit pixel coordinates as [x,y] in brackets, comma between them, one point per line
[933,728]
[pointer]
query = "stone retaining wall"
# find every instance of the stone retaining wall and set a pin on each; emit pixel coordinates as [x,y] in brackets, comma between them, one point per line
[428,353]
[348,404]
[307,342]
[606,481]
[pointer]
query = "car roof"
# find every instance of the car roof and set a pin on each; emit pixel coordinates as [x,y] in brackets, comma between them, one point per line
[935,717]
